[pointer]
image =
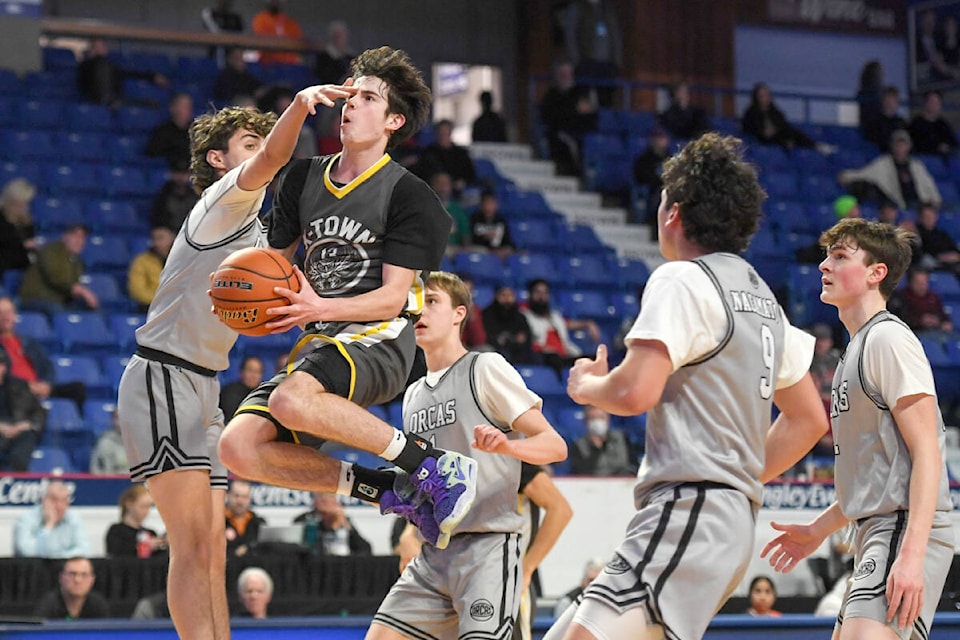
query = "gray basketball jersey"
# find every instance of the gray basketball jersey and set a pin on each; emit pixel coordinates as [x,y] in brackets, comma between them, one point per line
[712,419]
[446,415]
[179,321]
[873,466]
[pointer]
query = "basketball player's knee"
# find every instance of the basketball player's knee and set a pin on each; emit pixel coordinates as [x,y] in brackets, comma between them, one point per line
[293,397]
[235,450]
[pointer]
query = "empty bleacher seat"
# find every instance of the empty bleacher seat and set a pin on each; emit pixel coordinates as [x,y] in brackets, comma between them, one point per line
[780,184]
[107,253]
[39,114]
[118,180]
[69,180]
[89,117]
[82,145]
[19,169]
[58,58]
[481,266]
[112,367]
[630,273]
[536,235]
[30,144]
[587,270]
[115,217]
[34,324]
[571,423]
[62,415]
[584,304]
[123,327]
[53,214]
[139,120]
[108,292]
[542,380]
[50,459]
[98,415]
[525,267]
[84,331]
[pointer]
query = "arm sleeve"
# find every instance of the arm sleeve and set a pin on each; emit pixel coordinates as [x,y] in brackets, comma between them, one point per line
[895,365]
[418,226]
[501,390]
[285,216]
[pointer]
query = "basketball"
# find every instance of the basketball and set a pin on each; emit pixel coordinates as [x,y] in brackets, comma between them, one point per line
[242,289]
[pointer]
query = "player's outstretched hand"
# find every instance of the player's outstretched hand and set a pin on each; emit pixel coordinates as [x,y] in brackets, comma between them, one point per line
[905,590]
[582,371]
[790,547]
[325,94]
[305,306]
[490,439]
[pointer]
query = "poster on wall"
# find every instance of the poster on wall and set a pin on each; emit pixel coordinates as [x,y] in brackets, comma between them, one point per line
[934,30]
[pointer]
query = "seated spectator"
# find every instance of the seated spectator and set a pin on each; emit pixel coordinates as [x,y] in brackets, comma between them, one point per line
[647,168]
[549,330]
[255,588]
[170,139]
[52,283]
[763,595]
[567,113]
[100,79]
[593,568]
[50,529]
[273,22]
[333,63]
[894,176]
[243,525]
[175,200]
[488,228]
[921,308]
[764,121]
[881,126]
[336,534]
[143,276]
[231,395]
[938,249]
[21,419]
[234,81]
[602,451]
[442,185]
[129,538]
[17,234]
[109,456]
[681,119]
[888,213]
[489,126]
[931,132]
[445,155]
[74,598]
[507,328]
[29,360]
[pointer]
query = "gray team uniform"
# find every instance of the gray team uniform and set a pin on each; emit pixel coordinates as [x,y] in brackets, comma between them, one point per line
[384,216]
[872,479]
[698,492]
[471,588]
[169,393]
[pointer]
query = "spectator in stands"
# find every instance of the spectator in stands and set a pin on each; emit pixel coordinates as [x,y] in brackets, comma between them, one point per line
[21,419]
[445,155]
[143,276]
[896,176]
[885,121]
[100,79]
[29,360]
[870,94]
[592,569]
[50,529]
[931,132]
[176,198]
[243,525]
[222,18]
[52,283]
[488,227]
[75,598]
[602,451]
[763,595]
[170,139]
[277,98]
[337,536]
[235,81]
[888,213]
[472,333]
[129,538]
[567,113]
[507,328]
[273,22]
[151,607]
[938,249]
[647,168]
[592,36]
[231,395]
[333,63]
[442,185]
[921,308]
[17,234]
[109,455]
[764,121]
[255,589]
[489,126]
[549,330]
[682,119]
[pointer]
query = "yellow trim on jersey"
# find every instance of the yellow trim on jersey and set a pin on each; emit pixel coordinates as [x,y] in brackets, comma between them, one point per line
[342,192]
[339,345]
[417,291]
[252,407]
[369,332]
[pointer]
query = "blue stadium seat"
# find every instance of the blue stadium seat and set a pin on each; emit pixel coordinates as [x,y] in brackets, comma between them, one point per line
[945,284]
[571,423]
[68,180]
[107,253]
[116,216]
[542,380]
[83,332]
[537,235]
[483,295]
[50,459]
[89,117]
[788,216]
[139,120]
[805,307]
[808,161]
[632,274]
[10,84]
[936,166]
[481,266]
[62,415]
[112,367]
[780,184]
[19,169]
[145,92]
[587,270]
[59,85]
[585,303]
[98,415]
[39,114]
[30,144]
[765,244]
[770,159]
[949,194]
[78,146]
[639,123]
[626,305]
[530,266]
[11,281]
[610,121]
[121,149]
[584,342]
[123,327]
[198,67]
[583,238]
[610,173]
[108,292]
[52,215]
[395,413]
[123,181]
[34,324]
[58,58]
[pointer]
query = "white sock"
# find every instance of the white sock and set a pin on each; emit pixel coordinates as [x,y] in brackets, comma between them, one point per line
[345,484]
[395,448]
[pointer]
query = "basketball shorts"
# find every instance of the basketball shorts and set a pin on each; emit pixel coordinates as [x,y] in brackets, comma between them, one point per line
[866,596]
[471,589]
[685,551]
[365,374]
[170,419]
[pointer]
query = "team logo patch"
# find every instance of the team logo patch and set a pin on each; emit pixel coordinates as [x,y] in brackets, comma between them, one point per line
[617,565]
[866,568]
[367,490]
[481,610]
[334,265]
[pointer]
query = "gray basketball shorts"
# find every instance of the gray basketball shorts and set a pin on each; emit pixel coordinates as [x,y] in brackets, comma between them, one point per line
[170,419]
[471,589]
[866,596]
[685,551]
[364,374]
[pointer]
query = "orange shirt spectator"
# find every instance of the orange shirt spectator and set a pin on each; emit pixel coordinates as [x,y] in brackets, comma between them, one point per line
[273,22]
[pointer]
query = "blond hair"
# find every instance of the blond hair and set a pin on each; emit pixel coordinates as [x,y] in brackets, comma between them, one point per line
[455,288]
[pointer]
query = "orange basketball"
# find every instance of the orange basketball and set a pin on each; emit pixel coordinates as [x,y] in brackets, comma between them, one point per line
[242,289]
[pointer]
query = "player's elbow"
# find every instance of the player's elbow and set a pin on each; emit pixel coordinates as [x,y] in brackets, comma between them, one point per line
[636,399]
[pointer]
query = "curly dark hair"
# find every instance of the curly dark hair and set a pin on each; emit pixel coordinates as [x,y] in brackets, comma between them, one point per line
[213,131]
[408,94]
[881,242]
[719,196]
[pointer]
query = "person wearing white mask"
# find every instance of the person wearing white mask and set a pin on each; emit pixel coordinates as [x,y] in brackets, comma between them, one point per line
[602,451]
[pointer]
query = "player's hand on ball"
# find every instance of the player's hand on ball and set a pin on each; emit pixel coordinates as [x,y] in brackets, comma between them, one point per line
[490,439]
[582,370]
[305,306]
